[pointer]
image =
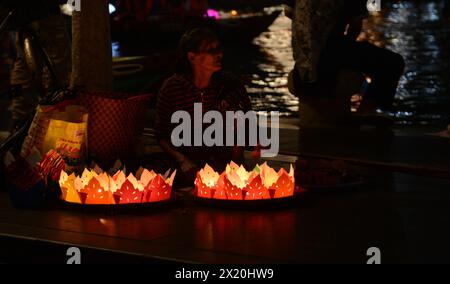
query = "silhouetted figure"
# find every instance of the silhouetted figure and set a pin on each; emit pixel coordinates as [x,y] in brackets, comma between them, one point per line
[325,42]
[40,19]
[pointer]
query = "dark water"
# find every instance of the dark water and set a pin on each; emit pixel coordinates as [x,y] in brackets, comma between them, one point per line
[265,65]
[416,29]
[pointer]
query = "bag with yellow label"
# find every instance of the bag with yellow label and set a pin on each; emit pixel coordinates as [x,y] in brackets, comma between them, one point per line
[67,134]
[62,127]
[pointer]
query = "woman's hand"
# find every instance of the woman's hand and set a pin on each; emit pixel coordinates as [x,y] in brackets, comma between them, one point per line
[189,169]
[187,166]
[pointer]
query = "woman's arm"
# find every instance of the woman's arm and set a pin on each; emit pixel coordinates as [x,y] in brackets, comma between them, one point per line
[164,110]
[185,164]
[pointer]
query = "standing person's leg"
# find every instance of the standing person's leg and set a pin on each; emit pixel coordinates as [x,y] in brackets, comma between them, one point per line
[27,83]
[383,66]
[24,98]
[54,35]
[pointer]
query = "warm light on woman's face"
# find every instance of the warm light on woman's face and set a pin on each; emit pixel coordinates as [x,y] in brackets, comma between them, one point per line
[208,58]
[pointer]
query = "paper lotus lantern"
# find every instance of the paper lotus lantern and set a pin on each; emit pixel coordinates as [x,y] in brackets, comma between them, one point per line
[96,187]
[236,183]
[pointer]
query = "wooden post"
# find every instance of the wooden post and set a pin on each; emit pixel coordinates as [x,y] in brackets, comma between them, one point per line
[92,52]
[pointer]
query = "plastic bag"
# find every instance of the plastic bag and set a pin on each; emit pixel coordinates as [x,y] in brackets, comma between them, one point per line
[62,127]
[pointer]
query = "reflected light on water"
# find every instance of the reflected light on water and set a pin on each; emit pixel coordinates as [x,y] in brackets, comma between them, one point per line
[269,85]
[418,31]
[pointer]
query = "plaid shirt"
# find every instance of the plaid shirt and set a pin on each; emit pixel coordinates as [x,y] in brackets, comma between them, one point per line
[178,93]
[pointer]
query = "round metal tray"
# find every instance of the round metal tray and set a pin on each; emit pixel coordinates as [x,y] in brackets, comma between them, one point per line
[136,208]
[264,204]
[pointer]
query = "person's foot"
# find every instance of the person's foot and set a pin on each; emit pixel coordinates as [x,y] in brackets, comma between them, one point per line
[376,119]
[367,107]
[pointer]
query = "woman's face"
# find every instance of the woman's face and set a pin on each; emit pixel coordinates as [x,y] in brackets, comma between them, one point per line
[208,58]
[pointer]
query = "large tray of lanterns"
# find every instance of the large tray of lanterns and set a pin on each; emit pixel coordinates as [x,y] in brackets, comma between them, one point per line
[263,187]
[96,190]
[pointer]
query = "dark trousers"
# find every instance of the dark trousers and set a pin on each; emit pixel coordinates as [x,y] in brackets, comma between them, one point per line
[383,66]
[29,73]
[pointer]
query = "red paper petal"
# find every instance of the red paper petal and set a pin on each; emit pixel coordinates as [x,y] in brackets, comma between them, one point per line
[95,194]
[284,187]
[233,192]
[256,190]
[203,191]
[160,190]
[128,194]
[220,192]
[147,194]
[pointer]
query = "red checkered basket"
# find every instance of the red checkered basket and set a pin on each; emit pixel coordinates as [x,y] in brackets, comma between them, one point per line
[115,121]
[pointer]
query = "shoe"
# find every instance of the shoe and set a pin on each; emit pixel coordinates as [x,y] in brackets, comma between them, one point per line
[373,119]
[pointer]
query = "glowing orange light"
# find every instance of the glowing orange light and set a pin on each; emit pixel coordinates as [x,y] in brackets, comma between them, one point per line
[238,184]
[96,193]
[128,194]
[95,187]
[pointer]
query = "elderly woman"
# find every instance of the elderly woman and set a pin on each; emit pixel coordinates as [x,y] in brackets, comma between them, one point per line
[199,79]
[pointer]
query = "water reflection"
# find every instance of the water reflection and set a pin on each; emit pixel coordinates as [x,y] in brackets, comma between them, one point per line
[418,31]
[268,87]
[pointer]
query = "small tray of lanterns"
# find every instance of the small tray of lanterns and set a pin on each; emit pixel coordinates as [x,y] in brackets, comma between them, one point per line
[96,190]
[263,187]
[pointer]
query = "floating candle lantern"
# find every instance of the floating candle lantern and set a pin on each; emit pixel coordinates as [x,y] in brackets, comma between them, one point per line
[95,187]
[236,183]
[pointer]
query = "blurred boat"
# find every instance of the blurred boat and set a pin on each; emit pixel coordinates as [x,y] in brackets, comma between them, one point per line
[255,4]
[230,25]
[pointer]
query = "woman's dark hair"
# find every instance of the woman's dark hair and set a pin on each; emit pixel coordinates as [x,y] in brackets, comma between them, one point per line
[192,41]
